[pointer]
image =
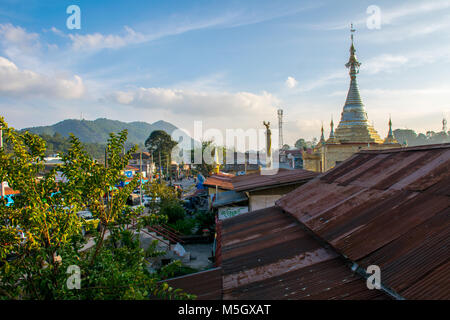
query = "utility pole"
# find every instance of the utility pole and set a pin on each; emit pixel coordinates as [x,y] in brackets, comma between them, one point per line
[106,166]
[159,164]
[140,178]
[167,167]
[2,186]
[151,169]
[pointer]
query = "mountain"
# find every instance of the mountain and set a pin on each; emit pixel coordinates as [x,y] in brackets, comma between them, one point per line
[97,131]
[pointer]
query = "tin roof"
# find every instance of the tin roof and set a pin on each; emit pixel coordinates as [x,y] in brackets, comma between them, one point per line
[206,285]
[130,167]
[266,254]
[221,180]
[388,208]
[258,181]
[227,197]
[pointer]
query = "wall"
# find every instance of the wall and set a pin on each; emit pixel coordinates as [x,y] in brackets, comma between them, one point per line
[266,198]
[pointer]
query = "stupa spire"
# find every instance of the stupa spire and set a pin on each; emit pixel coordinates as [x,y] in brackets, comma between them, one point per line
[322,137]
[354,125]
[390,139]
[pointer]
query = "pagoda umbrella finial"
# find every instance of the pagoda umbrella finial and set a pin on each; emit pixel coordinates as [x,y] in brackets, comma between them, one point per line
[332,128]
[353,64]
[322,136]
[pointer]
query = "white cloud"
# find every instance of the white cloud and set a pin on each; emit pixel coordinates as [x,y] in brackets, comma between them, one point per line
[384,63]
[291,82]
[323,81]
[19,45]
[99,41]
[203,104]
[26,83]
[18,37]
[391,15]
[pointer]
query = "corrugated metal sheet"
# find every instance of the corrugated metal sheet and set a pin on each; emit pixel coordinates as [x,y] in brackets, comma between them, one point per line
[206,285]
[228,197]
[266,254]
[390,208]
[221,180]
[258,181]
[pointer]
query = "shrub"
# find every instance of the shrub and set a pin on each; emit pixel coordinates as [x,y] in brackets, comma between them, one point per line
[205,220]
[173,209]
[184,226]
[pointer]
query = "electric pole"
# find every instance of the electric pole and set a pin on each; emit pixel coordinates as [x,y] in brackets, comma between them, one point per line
[160,170]
[151,169]
[2,186]
[140,178]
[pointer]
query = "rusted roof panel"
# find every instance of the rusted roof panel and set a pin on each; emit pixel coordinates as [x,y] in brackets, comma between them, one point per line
[267,254]
[206,285]
[328,280]
[389,208]
[282,177]
[221,180]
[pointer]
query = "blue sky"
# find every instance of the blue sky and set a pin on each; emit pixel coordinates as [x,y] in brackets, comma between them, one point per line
[230,64]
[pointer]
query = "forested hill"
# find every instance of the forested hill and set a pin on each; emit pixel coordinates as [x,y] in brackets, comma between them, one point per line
[97,131]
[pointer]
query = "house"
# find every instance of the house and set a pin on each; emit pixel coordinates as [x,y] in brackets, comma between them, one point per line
[385,209]
[244,163]
[130,171]
[263,190]
[291,159]
[148,166]
[219,182]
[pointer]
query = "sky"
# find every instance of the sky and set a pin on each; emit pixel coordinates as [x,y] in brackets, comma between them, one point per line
[230,64]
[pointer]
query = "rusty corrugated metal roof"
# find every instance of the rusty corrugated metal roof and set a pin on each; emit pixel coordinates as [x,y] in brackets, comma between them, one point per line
[221,180]
[390,208]
[206,285]
[266,254]
[258,181]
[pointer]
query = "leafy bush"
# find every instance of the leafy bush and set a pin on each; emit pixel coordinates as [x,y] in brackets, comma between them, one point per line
[184,226]
[205,220]
[173,209]
[175,269]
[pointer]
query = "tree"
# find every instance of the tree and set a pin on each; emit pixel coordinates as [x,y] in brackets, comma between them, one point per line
[160,142]
[160,145]
[40,234]
[204,167]
[301,144]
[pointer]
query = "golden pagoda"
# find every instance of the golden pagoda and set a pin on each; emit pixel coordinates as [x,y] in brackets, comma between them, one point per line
[354,132]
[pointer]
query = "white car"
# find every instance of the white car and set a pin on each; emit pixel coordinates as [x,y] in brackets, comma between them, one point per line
[146,200]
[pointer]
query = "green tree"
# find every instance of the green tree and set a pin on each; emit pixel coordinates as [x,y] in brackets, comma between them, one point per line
[301,144]
[40,234]
[160,143]
[204,167]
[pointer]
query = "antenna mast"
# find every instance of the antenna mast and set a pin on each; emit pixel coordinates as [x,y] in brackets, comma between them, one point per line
[280,128]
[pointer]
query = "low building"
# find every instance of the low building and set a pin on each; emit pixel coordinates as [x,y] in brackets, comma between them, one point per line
[219,182]
[291,158]
[263,190]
